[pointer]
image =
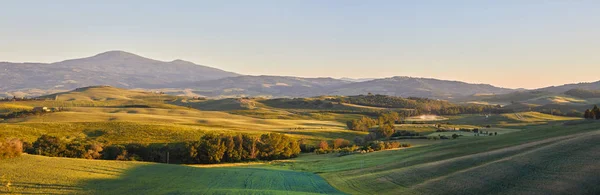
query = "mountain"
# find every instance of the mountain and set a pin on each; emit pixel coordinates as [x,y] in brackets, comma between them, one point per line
[417,87]
[567,87]
[130,71]
[272,86]
[115,68]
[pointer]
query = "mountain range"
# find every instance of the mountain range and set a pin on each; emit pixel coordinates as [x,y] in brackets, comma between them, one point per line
[127,70]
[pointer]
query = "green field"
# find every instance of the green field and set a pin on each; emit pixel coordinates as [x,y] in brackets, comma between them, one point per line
[510,163]
[542,159]
[44,175]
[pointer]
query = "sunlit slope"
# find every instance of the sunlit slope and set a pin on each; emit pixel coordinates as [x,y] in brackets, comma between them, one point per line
[509,119]
[542,160]
[156,125]
[44,175]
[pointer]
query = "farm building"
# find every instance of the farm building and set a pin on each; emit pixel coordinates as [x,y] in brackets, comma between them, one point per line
[45,109]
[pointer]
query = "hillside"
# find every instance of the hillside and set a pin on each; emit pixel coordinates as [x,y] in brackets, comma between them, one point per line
[541,160]
[567,87]
[269,86]
[115,68]
[583,93]
[416,87]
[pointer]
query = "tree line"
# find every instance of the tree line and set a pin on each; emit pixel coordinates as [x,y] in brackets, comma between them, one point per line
[209,149]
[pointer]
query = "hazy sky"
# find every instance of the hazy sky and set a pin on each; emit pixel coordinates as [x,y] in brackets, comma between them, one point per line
[524,43]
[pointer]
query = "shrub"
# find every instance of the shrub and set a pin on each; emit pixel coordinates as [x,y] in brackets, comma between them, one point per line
[11,148]
[323,145]
[394,144]
[340,143]
[454,136]
[49,146]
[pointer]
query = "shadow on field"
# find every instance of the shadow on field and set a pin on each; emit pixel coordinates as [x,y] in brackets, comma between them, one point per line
[181,179]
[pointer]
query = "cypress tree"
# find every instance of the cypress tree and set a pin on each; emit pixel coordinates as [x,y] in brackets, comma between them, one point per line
[596,112]
[586,114]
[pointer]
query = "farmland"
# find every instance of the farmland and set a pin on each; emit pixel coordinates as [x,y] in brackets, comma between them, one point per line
[526,150]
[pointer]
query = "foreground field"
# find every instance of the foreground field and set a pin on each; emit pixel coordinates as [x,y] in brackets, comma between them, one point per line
[542,160]
[546,159]
[31,174]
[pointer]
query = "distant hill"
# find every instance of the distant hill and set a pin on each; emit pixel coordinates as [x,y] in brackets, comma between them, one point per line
[357,79]
[567,87]
[417,87]
[271,86]
[281,86]
[517,96]
[115,68]
[583,93]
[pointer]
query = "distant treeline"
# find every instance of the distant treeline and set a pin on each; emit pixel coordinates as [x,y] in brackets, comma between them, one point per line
[211,148]
[15,98]
[23,114]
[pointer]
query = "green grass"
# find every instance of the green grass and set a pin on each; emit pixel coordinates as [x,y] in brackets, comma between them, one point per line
[455,165]
[45,175]
[509,120]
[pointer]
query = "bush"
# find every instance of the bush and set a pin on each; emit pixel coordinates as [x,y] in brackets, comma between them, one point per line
[49,146]
[340,143]
[321,151]
[11,148]
[394,144]
[454,136]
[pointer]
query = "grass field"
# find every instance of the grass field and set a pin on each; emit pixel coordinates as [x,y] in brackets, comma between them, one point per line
[560,158]
[31,174]
[508,120]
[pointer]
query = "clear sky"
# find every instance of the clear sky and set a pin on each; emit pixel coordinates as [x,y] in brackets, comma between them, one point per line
[522,43]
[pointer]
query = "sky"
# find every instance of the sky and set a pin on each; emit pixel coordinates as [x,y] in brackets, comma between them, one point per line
[516,44]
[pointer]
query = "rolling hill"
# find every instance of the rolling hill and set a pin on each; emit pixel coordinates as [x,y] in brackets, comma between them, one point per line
[567,87]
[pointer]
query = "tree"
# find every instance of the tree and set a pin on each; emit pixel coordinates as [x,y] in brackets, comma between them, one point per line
[386,127]
[340,143]
[596,112]
[49,146]
[323,145]
[587,114]
[212,149]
